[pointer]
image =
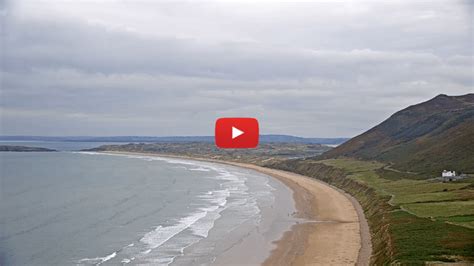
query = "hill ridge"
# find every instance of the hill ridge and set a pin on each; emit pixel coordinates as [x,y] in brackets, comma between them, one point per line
[424,138]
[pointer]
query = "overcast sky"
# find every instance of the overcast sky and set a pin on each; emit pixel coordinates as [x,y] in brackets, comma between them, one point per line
[314,69]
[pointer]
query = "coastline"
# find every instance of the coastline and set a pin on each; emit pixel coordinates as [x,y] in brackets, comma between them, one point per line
[336,231]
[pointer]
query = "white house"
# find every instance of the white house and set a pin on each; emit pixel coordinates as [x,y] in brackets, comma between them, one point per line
[448,173]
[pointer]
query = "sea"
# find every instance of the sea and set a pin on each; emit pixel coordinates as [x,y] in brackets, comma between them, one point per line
[85,208]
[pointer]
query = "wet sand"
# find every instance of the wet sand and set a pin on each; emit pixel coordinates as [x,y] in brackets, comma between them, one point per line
[332,231]
[336,232]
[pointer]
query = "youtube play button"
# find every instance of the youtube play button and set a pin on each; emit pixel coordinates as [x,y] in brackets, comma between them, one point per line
[236,133]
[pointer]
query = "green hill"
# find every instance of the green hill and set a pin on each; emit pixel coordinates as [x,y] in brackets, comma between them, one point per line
[424,138]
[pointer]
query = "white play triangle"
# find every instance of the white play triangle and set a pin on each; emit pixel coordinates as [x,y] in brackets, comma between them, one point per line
[236,132]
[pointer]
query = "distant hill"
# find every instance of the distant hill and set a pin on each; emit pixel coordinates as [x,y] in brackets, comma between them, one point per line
[23,149]
[293,139]
[172,139]
[424,138]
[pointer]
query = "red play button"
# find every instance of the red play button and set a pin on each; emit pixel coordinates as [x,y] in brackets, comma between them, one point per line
[236,133]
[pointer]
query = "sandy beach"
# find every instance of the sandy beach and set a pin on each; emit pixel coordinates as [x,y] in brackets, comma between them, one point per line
[336,232]
[333,230]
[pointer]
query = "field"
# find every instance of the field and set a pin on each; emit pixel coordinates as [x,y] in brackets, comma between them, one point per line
[430,221]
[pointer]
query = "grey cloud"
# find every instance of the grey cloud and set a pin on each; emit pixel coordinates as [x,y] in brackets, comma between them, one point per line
[335,74]
[89,48]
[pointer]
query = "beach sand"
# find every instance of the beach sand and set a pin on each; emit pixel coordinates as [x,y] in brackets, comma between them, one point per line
[332,231]
[336,232]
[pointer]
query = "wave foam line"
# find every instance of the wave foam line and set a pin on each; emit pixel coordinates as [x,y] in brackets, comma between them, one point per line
[99,260]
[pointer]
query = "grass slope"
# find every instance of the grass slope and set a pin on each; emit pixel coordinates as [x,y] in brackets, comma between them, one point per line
[411,221]
[425,138]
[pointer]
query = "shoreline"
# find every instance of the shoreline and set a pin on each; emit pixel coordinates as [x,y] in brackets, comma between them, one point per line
[335,231]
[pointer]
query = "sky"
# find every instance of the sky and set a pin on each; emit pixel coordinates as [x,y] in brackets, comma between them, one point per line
[162,68]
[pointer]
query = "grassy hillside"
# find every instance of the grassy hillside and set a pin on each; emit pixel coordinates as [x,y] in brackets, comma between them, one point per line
[425,138]
[411,221]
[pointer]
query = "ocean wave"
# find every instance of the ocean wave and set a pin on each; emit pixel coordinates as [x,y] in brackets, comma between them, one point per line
[89,152]
[161,234]
[202,169]
[98,260]
[164,243]
[202,227]
[197,166]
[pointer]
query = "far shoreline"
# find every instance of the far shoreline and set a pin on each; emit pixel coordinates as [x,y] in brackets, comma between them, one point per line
[336,232]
